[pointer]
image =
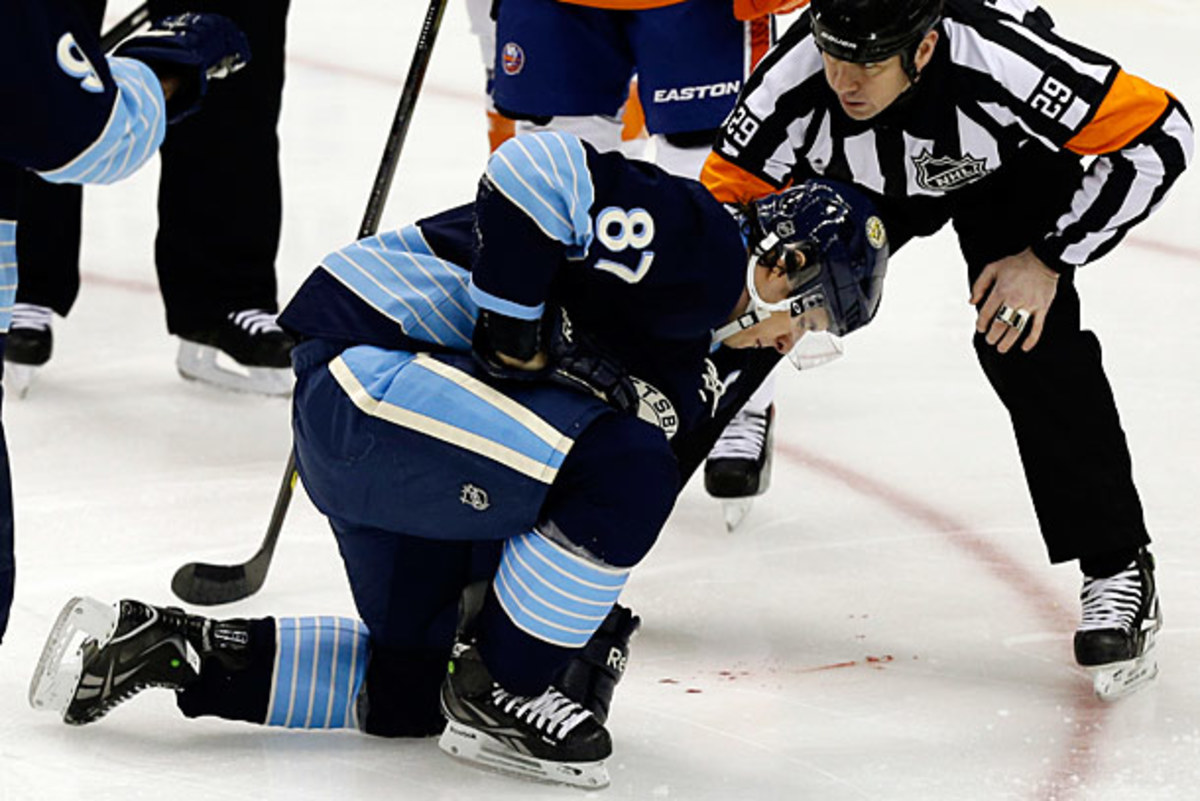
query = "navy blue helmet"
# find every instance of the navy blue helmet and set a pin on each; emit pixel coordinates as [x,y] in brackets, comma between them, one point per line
[844,243]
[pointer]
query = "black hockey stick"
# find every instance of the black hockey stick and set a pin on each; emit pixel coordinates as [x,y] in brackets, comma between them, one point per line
[136,19]
[208,585]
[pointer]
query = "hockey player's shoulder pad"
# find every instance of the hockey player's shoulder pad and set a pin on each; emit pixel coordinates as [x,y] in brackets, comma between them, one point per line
[193,48]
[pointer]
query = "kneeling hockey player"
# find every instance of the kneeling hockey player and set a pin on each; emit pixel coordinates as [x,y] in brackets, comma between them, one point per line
[491,447]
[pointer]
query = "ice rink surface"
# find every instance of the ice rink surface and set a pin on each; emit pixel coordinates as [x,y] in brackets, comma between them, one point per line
[884,626]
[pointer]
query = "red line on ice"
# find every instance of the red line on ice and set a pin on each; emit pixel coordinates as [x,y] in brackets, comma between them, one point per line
[1076,761]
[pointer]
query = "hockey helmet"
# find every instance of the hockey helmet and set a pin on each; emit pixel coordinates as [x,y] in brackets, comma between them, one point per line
[845,249]
[868,31]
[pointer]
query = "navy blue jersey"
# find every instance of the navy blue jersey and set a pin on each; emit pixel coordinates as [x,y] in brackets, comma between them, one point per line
[645,262]
[68,111]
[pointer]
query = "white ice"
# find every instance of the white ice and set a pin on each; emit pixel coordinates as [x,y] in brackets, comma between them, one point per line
[886,625]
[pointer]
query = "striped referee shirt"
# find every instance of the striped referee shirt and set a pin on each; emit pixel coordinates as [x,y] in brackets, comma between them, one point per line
[1000,78]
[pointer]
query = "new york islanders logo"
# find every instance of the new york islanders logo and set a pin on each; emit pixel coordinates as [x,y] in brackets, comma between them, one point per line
[512,58]
[946,173]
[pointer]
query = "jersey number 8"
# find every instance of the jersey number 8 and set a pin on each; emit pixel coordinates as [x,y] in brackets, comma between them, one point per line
[618,229]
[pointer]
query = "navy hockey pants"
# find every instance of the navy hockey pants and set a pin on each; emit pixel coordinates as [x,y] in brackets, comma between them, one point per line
[611,496]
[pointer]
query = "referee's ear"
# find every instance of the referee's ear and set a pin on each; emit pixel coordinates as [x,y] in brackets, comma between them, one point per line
[925,50]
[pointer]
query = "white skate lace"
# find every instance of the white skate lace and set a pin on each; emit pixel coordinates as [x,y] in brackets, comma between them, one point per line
[30,316]
[743,438]
[255,321]
[548,711]
[1113,602]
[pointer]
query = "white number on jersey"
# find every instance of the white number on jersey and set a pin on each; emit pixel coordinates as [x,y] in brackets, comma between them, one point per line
[618,229]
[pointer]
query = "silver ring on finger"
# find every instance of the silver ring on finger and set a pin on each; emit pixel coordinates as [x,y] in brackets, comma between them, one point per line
[1013,318]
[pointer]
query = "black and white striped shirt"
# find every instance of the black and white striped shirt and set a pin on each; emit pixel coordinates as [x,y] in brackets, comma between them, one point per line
[999,79]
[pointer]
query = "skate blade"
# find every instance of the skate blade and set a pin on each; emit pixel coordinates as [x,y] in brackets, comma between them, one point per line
[1119,679]
[18,378]
[81,621]
[208,365]
[471,745]
[735,511]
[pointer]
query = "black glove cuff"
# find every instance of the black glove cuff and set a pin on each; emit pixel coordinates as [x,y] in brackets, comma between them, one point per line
[499,333]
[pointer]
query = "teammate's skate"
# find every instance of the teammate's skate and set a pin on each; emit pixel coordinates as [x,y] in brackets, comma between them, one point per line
[1115,640]
[28,347]
[247,352]
[548,738]
[99,655]
[739,466]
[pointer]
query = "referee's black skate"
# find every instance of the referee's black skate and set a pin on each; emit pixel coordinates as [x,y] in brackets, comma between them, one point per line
[739,466]
[245,352]
[1121,616]
[99,655]
[549,738]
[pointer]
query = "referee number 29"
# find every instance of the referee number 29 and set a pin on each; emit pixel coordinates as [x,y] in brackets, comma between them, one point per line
[1051,97]
[741,126]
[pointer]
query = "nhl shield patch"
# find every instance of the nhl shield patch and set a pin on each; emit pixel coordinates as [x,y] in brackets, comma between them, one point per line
[946,173]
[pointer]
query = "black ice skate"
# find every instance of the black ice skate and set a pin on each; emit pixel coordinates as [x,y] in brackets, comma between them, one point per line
[98,655]
[1115,639]
[739,466]
[28,347]
[548,738]
[246,352]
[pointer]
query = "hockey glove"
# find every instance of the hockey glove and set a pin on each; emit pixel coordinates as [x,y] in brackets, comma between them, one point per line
[498,335]
[193,48]
[579,362]
[592,675]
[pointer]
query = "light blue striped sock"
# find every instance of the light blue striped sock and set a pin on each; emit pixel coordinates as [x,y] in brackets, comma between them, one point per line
[554,594]
[319,667]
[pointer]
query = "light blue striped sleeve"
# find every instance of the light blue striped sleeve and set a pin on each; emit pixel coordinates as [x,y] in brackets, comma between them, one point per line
[8,271]
[398,275]
[546,176]
[133,134]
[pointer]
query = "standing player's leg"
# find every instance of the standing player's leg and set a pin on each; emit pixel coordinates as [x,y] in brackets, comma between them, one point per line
[10,207]
[48,252]
[691,60]
[562,67]
[500,127]
[48,249]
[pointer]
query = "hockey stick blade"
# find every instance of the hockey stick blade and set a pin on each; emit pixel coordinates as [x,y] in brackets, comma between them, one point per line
[209,585]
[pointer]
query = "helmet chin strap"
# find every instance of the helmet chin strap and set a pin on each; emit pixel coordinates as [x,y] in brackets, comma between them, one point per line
[758,309]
